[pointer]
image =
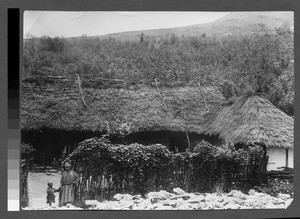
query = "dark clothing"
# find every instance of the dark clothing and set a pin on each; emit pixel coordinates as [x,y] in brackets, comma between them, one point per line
[69,181]
[50,196]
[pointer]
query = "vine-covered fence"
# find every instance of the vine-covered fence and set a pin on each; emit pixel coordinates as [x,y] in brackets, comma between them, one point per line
[106,169]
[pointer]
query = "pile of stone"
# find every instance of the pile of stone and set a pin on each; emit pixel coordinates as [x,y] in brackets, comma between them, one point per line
[181,200]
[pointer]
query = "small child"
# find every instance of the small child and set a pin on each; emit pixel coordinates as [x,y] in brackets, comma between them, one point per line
[50,194]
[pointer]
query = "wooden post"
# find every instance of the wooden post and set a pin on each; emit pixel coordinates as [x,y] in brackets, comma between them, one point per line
[287,158]
[188,139]
[165,106]
[79,85]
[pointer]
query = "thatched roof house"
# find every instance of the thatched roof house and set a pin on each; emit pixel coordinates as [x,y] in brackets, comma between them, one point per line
[53,115]
[250,120]
[59,106]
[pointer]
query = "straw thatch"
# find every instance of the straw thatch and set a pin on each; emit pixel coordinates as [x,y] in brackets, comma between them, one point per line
[114,110]
[250,119]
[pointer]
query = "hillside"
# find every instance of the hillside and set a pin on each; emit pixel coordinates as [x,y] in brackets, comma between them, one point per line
[233,23]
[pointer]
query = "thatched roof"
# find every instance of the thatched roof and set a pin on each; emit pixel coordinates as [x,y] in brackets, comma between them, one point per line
[250,119]
[59,106]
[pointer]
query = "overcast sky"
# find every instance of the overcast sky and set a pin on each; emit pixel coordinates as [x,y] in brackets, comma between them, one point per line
[70,24]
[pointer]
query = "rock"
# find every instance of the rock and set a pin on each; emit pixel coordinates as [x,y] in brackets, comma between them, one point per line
[218,205]
[259,203]
[259,194]
[200,198]
[278,201]
[284,196]
[139,207]
[70,206]
[136,197]
[172,203]
[245,207]
[178,191]
[251,192]
[145,202]
[125,208]
[270,206]
[211,197]
[249,202]
[101,206]
[208,206]
[161,195]
[162,207]
[185,206]
[185,196]
[237,194]
[119,197]
[194,201]
[154,200]
[137,201]
[232,206]
[180,202]
[199,206]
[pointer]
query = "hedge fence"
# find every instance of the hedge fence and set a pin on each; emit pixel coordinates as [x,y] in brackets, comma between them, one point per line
[106,169]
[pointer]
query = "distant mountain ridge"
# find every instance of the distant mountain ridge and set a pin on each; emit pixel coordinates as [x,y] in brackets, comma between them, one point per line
[233,23]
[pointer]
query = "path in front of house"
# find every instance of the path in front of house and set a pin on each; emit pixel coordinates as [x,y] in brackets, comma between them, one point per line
[37,186]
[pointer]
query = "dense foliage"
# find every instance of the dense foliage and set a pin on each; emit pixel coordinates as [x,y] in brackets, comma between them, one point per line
[234,63]
[138,169]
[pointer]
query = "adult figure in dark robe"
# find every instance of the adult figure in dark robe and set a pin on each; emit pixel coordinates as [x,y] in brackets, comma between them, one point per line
[68,184]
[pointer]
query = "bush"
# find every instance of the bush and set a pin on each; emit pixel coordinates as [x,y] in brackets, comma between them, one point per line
[138,169]
[135,163]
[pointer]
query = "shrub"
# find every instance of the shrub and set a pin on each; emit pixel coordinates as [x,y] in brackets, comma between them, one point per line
[135,163]
[138,169]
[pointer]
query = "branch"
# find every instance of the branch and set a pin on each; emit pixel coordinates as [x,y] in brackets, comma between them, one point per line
[161,97]
[203,96]
[82,98]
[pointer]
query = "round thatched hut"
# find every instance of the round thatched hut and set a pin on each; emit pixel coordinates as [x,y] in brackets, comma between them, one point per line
[252,120]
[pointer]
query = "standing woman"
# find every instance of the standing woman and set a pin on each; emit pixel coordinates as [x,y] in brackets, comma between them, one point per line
[68,183]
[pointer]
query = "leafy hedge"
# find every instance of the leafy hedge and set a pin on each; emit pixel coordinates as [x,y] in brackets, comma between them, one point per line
[138,169]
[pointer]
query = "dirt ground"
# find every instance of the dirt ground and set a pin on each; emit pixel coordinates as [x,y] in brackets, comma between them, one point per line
[37,186]
[162,200]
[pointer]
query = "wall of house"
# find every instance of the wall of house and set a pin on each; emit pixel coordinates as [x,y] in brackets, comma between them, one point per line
[291,158]
[50,143]
[277,158]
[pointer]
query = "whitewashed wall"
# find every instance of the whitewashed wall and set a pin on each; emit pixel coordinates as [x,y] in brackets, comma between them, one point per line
[277,158]
[291,158]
